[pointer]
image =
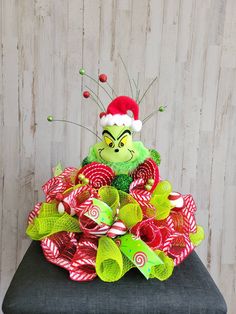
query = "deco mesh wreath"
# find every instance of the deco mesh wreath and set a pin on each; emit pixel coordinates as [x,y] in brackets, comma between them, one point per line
[115,213]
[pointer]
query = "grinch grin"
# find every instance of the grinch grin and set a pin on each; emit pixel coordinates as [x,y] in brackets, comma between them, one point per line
[131,155]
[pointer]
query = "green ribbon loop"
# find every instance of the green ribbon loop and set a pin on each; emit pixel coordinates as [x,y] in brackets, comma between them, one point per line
[57,170]
[139,253]
[100,212]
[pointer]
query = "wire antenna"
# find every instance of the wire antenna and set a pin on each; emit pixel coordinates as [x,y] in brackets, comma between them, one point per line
[149,86]
[112,89]
[160,109]
[83,73]
[101,106]
[126,70]
[51,119]
[137,89]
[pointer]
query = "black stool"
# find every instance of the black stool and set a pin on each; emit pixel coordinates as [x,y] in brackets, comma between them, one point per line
[40,287]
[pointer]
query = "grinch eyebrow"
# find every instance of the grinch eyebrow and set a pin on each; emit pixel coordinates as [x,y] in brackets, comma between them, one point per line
[107,132]
[126,131]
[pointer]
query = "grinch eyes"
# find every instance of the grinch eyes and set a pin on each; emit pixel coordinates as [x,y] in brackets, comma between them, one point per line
[109,142]
[123,141]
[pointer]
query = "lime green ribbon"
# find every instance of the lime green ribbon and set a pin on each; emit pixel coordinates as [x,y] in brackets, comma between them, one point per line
[139,253]
[104,210]
[116,257]
[100,212]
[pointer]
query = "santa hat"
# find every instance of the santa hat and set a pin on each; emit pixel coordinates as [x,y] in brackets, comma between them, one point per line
[116,114]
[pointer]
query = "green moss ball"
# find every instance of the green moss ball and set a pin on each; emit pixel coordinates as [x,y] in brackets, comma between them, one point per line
[122,182]
[155,156]
[85,161]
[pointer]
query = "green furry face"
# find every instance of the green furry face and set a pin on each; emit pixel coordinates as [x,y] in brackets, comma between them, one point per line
[117,145]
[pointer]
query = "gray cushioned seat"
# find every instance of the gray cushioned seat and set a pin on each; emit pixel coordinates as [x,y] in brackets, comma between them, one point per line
[40,287]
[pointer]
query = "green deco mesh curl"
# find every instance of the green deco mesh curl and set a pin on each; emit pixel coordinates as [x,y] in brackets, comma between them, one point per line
[111,265]
[110,196]
[126,198]
[197,237]
[163,271]
[49,221]
[131,214]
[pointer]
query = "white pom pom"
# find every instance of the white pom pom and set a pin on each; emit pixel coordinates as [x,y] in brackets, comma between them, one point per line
[137,125]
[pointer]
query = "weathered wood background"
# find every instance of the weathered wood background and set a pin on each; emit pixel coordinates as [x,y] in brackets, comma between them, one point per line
[189,44]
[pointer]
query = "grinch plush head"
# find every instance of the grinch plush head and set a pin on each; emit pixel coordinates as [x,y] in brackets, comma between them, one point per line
[117,144]
[119,121]
[117,148]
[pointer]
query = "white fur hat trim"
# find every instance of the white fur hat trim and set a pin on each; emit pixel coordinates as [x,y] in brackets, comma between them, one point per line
[121,119]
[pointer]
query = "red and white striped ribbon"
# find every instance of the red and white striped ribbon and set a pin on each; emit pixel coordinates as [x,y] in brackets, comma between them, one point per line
[118,228]
[139,183]
[189,202]
[189,221]
[81,275]
[59,249]
[84,260]
[138,192]
[34,213]
[79,258]
[184,252]
[53,187]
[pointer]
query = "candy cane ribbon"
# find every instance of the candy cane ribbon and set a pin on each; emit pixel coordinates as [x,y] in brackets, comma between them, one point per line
[60,183]
[138,192]
[77,256]
[54,186]
[179,246]
[84,260]
[60,248]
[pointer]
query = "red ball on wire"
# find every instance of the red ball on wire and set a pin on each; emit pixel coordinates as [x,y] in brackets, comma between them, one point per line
[103,78]
[86,94]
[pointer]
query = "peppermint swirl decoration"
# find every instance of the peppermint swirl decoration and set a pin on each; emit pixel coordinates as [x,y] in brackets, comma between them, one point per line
[140,259]
[118,242]
[147,170]
[97,174]
[94,212]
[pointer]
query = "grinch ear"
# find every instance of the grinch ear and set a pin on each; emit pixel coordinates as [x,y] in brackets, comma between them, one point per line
[137,125]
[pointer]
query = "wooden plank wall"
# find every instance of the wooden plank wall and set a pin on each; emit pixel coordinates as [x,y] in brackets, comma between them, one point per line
[189,44]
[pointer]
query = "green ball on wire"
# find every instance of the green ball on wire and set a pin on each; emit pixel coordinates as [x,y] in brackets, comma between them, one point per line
[82,71]
[50,118]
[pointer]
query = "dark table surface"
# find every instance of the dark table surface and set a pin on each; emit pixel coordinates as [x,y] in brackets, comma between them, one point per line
[40,287]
